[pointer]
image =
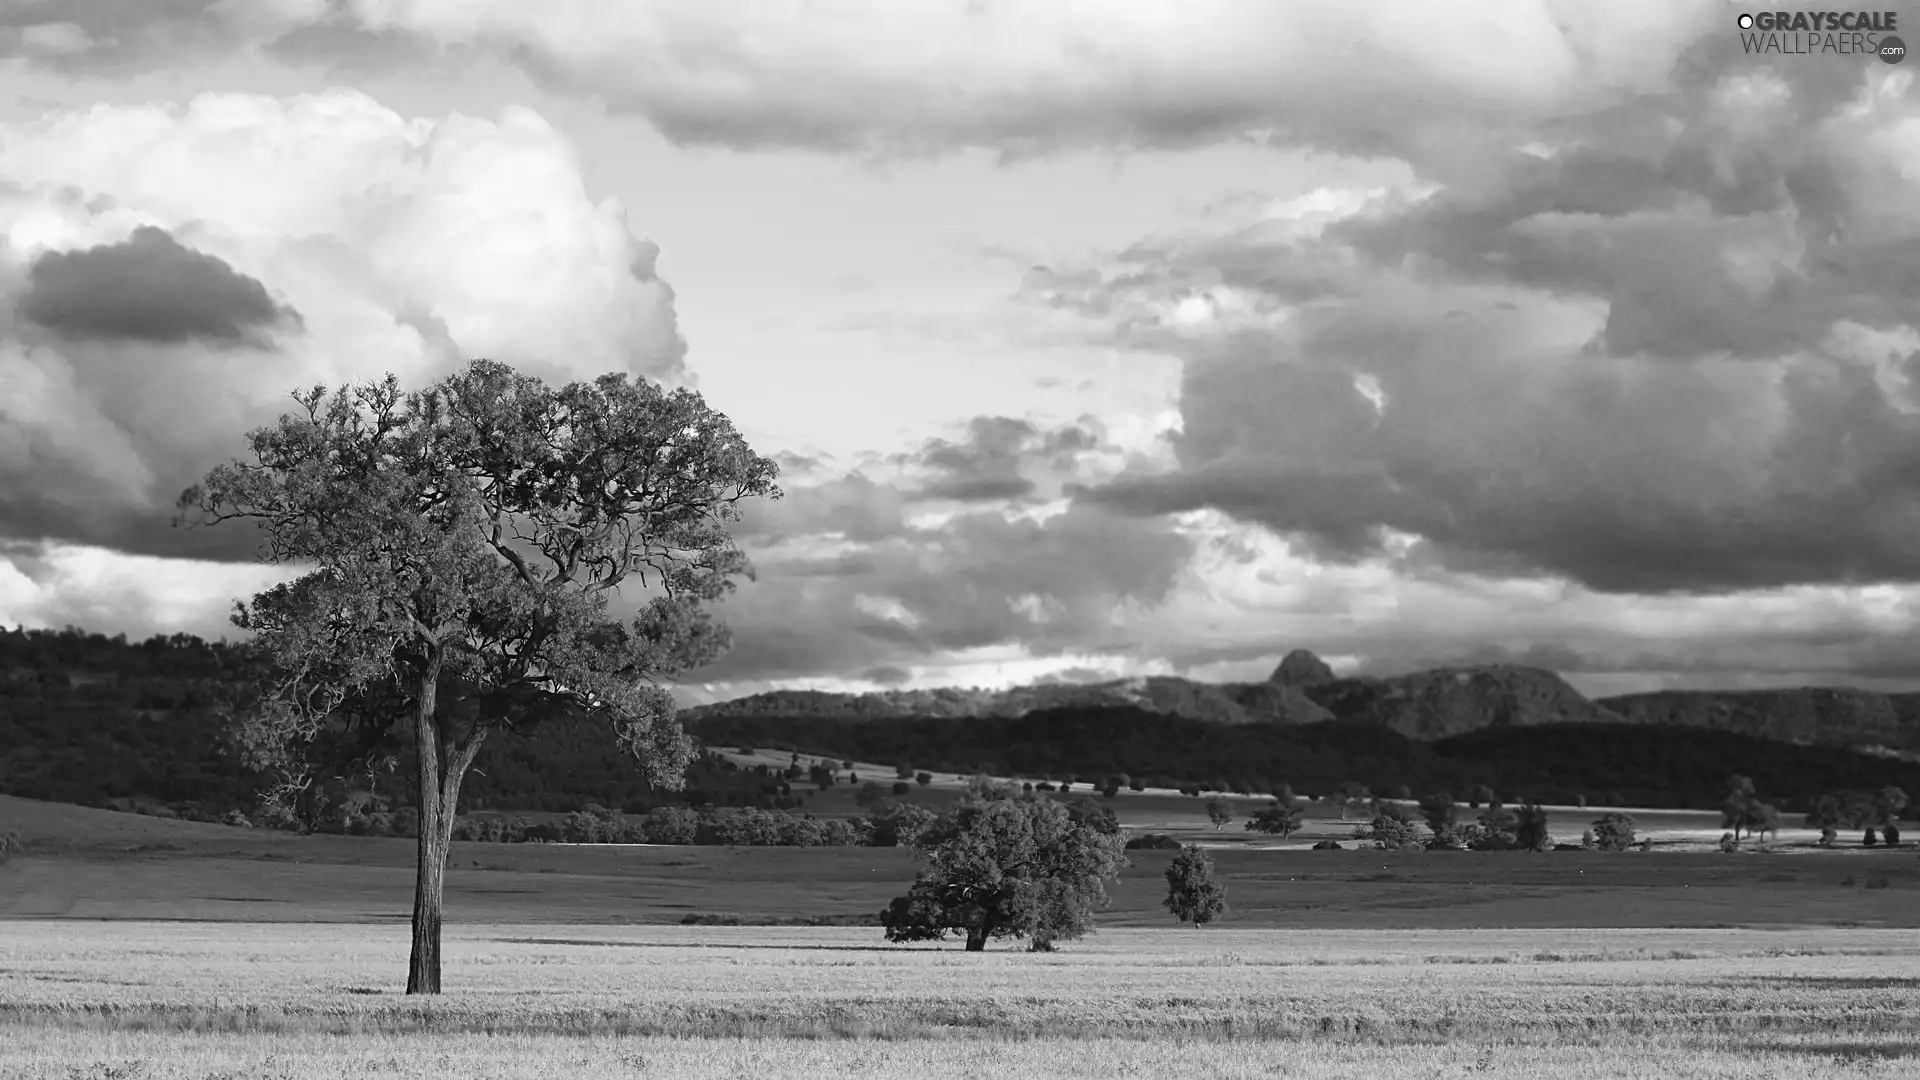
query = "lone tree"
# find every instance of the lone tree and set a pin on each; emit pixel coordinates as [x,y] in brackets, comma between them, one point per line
[1004,864]
[464,542]
[1220,812]
[1194,894]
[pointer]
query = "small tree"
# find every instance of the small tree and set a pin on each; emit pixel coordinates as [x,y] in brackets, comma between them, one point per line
[903,771]
[1530,828]
[1220,812]
[923,778]
[1498,830]
[1194,894]
[1440,811]
[1354,796]
[463,542]
[1738,810]
[1613,832]
[868,795]
[1279,818]
[1000,865]
[1482,795]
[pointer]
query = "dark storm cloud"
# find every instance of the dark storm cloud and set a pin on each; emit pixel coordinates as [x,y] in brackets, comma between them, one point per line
[992,460]
[152,288]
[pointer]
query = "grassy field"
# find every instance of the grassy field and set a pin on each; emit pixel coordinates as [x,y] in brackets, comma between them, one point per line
[196,1000]
[141,947]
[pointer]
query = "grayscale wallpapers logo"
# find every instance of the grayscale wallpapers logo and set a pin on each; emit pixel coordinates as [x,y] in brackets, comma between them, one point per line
[1848,33]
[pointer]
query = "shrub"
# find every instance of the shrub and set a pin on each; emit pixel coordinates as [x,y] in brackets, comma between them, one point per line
[903,771]
[1194,893]
[1870,839]
[1136,784]
[901,787]
[869,794]
[923,778]
[1613,832]
[1043,786]
[1892,834]
[236,819]
[1729,843]
[1451,836]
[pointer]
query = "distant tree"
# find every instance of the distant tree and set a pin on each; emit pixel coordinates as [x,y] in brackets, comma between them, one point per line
[1119,780]
[10,846]
[1497,830]
[1739,809]
[1530,828]
[893,824]
[1888,802]
[1278,818]
[1220,812]
[1136,784]
[999,865]
[868,795]
[459,547]
[1354,796]
[1439,810]
[853,778]
[1043,786]
[821,776]
[901,787]
[1194,893]
[1482,795]
[1403,792]
[923,778]
[1871,838]
[1282,792]
[671,825]
[1389,832]
[1613,832]
[903,771]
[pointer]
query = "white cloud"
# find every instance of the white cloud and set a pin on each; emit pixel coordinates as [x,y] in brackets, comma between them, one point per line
[935,72]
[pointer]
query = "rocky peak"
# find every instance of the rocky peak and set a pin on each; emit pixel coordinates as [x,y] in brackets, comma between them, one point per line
[1301,669]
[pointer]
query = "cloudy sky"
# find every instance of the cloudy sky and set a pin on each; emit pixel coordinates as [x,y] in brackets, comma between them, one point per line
[1110,338]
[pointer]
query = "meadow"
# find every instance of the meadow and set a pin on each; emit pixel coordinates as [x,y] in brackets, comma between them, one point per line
[141,947]
[135,999]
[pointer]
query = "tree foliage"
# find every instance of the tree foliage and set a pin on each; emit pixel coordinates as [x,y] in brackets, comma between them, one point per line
[465,541]
[1613,832]
[1220,812]
[1003,864]
[1194,893]
[1281,818]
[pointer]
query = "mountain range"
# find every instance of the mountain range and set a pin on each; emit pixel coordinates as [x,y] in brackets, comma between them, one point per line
[1434,704]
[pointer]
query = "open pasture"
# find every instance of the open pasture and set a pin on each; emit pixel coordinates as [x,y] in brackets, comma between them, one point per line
[286,1000]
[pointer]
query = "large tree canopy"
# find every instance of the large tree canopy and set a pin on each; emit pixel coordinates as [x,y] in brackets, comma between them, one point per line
[1001,864]
[465,541]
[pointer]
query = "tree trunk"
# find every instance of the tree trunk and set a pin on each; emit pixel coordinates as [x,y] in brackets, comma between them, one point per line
[976,939]
[443,765]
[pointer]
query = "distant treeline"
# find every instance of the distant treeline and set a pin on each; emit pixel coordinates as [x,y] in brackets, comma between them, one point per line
[1616,764]
[101,721]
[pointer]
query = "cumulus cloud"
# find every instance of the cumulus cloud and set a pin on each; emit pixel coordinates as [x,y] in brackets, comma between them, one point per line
[928,75]
[153,260]
[1665,345]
